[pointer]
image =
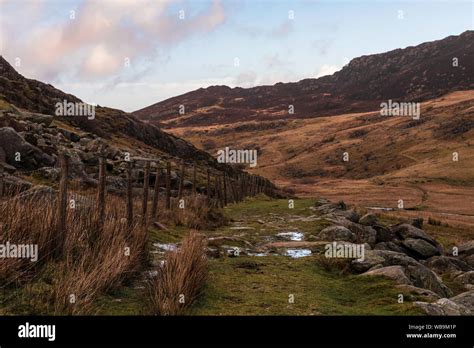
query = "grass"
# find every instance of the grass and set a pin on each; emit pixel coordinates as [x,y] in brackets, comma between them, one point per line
[246,286]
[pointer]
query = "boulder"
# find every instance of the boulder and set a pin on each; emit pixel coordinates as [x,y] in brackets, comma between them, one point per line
[447,264]
[363,234]
[466,249]
[465,278]
[370,260]
[419,275]
[420,248]
[465,299]
[388,246]
[368,219]
[31,156]
[333,233]
[384,234]
[423,277]
[395,273]
[392,258]
[409,290]
[469,260]
[443,306]
[407,231]
[349,214]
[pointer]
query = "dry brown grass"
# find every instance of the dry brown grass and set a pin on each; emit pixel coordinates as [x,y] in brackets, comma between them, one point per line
[196,215]
[97,260]
[26,219]
[94,259]
[180,278]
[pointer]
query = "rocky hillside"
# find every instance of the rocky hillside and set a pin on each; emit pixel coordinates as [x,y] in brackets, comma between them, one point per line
[29,128]
[414,73]
[408,255]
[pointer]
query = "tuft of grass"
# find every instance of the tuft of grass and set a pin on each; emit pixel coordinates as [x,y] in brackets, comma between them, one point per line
[180,278]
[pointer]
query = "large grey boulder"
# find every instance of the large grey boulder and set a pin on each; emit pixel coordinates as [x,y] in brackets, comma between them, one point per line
[419,275]
[363,234]
[447,264]
[407,231]
[443,306]
[334,233]
[370,260]
[31,157]
[423,277]
[466,249]
[465,278]
[395,273]
[409,290]
[420,248]
[465,299]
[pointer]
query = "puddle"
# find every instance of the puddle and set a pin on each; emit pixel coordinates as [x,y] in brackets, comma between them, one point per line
[165,247]
[296,253]
[257,254]
[294,236]
[380,208]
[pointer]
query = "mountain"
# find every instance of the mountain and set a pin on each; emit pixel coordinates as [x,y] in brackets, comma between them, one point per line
[389,157]
[416,73]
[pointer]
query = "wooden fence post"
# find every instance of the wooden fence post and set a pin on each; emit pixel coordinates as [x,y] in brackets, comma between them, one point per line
[217,185]
[194,179]
[2,185]
[62,204]
[181,182]
[101,192]
[208,189]
[154,206]
[168,185]
[242,187]
[146,186]
[129,195]
[225,189]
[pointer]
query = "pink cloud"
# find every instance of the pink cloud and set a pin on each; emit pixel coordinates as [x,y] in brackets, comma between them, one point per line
[103,33]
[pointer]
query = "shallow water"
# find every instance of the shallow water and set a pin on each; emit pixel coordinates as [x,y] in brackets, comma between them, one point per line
[164,247]
[296,253]
[294,236]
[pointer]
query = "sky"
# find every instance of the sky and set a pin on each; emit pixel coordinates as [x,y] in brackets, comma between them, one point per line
[129,54]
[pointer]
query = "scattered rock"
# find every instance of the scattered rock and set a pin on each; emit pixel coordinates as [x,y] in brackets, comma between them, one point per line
[465,299]
[408,290]
[465,278]
[421,248]
[447,264]
[370,260]
[443,306]
[368,219]
[384,234]
[393,272]
[466,249]
[333,233]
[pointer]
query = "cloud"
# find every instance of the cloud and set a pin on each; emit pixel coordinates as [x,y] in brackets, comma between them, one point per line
[95,43]
[327,69]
